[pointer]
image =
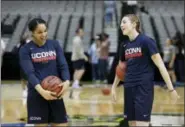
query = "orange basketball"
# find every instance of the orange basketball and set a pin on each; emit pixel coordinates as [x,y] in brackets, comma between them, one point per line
[105,91]
[121,70]
[51,83]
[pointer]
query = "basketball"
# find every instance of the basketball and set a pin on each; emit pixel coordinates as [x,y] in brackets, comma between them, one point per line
[105,91]
[51,83]
[121,70]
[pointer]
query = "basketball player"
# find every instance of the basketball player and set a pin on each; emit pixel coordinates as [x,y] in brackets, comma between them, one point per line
[78,58]
[141,54]
[169,59]
[41,58]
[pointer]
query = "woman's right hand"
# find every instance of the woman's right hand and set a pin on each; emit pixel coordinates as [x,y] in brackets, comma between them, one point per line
[48,95]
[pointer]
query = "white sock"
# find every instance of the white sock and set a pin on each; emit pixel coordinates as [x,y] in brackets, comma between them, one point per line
[76,82]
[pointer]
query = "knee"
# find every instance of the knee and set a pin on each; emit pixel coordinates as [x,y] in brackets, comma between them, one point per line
[132,123]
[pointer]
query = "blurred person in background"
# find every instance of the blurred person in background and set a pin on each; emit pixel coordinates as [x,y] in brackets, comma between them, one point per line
[179,42]
[94,56]
[23,40]
[78,58]
[169,59]
[3,46]
[103,49]
[109,12]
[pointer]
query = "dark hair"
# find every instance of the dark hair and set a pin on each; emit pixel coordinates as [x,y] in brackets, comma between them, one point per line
[34,22]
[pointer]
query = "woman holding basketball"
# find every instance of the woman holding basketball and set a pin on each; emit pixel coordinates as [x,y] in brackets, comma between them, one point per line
[140,54]
[38,59]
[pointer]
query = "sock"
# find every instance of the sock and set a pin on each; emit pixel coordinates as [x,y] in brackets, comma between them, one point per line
[76,82]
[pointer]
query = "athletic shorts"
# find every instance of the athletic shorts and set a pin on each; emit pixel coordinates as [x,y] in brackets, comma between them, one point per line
[43,111]
[138,101]
[79,64]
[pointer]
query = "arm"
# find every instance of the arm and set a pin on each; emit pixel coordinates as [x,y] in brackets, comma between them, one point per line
[156,58]
[62,63]
[27,67]
[121,59]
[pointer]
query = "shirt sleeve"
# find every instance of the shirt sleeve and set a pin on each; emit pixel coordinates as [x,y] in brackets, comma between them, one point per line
[122,52]
[62,63]
[151,46]
[27,66]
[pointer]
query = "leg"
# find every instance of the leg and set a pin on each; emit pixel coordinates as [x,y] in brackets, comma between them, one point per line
[93,72]
[40,125]
[101,69]
[143,103]
[59,124]
[37,108]
[142,123]
[132,123]
[172,75]
[129,111]
[58,116]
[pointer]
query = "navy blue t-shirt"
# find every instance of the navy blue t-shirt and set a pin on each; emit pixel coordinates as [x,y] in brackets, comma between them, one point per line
[40,62]
[137,54]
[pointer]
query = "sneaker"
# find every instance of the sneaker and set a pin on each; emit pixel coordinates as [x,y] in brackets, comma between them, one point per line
[75,86]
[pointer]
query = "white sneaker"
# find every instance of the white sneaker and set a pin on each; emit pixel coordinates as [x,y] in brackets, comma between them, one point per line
[76,86]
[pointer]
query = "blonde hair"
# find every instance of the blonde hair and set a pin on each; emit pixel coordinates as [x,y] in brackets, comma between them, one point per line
[134,19]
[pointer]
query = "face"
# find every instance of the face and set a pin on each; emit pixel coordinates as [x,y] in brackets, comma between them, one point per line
[40,33]
[168,42]
[81,33]
[126,26]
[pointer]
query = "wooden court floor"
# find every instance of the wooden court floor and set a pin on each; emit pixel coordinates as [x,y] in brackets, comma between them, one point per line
[89,101]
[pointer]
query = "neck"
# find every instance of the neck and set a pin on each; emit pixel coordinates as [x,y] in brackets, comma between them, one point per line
[133,35]
[39,43]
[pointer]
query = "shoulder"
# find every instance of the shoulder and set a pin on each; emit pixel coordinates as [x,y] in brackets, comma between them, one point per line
[146,39]
[53,42]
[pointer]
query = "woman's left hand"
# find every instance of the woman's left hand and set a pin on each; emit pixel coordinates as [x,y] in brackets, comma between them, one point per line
[65,86]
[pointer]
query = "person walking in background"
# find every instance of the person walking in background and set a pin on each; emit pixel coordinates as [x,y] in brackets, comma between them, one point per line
[94,56]
[23,40]
[169,59]
[103,49]
[78,57]
[109,12]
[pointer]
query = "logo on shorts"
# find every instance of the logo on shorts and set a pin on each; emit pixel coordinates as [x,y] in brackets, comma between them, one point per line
[124,116]
[145,115]
[35,118]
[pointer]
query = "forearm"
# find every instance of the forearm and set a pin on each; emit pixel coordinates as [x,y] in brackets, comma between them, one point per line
[116,81]
[165,76]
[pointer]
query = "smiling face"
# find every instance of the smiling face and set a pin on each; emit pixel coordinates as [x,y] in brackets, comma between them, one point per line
[130,23]
[40,33]
[126,26]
